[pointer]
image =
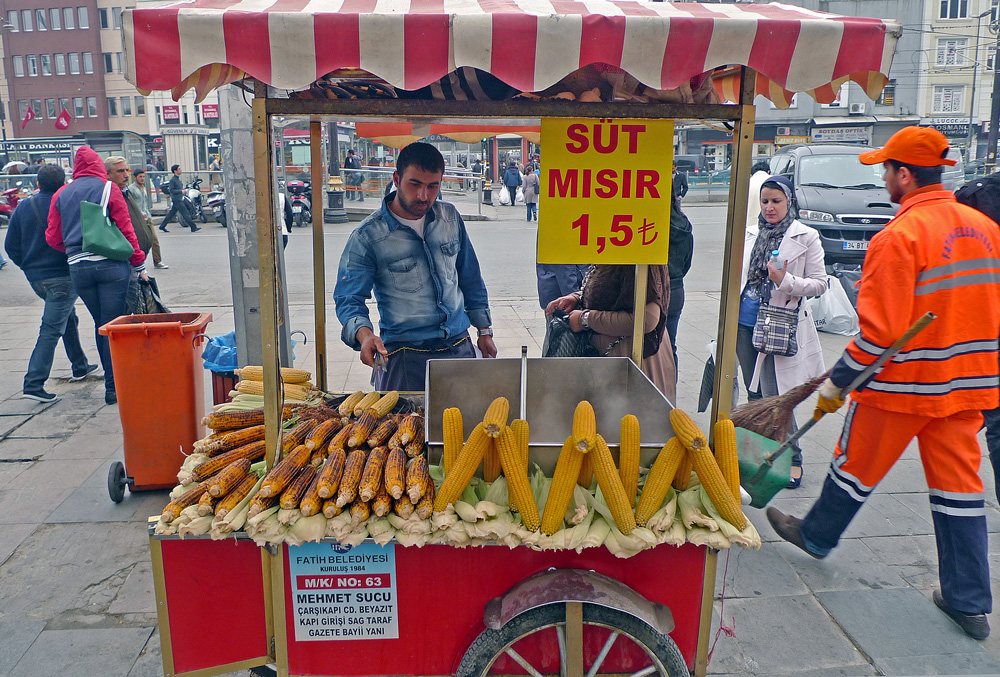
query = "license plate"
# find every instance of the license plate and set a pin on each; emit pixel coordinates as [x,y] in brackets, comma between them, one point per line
[296,208]
[856,246]
[217,210]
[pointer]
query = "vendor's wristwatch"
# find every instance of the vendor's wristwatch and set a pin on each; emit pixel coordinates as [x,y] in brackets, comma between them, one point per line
[585,319]
[488,331]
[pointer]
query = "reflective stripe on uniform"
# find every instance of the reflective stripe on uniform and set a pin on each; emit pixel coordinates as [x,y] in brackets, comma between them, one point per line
[854,487]
[965,348]
[955,282]
[965,383]
[957,504]
[957,267]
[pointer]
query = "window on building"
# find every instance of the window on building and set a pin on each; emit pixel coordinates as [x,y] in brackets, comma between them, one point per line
[60,64]
[102,16]
[184,113]
[13,22]
[83,19]
[50,109]
[36,105]
[55,22]
[126,105]
[26,21]
[92,106]
[116,16]
[88,62]
[951,51]
[888,95]
[74,63]
[18,62]
[112,107]
[108,63]
[78,106]
[22,109]
[140,105]
[68,18]
[993,10]
[948,99]
[63,105]
[954,9]
[991,53]
[118,61]
[42,19]
[45,60]
[32,62]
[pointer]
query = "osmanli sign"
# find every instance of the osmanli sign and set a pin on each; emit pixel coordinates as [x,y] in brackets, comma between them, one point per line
[605,191]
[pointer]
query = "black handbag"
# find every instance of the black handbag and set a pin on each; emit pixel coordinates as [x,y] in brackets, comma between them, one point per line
[562,341]
[776,329]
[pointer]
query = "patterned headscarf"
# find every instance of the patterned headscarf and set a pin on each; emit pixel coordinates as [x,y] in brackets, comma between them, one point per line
[770,234]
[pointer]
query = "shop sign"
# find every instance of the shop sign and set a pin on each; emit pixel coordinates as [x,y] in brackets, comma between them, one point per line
[954,127]
[210,111]
[177,130]
[343,593]
[171,112]
[851,134]
[605,191]
[789,140]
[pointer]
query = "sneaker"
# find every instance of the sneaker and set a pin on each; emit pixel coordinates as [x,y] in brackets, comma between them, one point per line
[110,397]
[91,368]
[975,625]
[195,229]
[39,396]
[790,529]
[161,266]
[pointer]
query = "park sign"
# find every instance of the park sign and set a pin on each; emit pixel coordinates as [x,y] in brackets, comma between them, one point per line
[605,191]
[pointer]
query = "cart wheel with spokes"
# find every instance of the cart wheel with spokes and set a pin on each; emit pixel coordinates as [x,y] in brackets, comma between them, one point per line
[117,481]
[664,658]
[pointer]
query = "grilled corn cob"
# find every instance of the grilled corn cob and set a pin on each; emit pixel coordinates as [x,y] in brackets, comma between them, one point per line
[661,475]
[259,504]
[227,480]
[382,502]
[256,373]
[328,478]
[292,391]
[496,416]
[628,458]
[284,472]
[561,490]
[311,503]
[232,499]
[346,407]
[231,440]
[360,512]
[584,427]
[253,451]
[297,488]
[726,455]
[386,403]
[518,487]
[297,435]
[339,441]
[386,427]
[403,506]
[319,435]
[409,428]
[372,475]
[425,506]
[453,435]
[220,421]
[395,473]
[317,458]
[465,467]
[206,504]
[353,467]
[173,509]
[418,479]
[610,483]
[331,509]
[394,442]
[363,428]
[364,403]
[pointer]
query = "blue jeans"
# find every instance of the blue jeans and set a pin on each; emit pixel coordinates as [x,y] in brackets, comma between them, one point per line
[674,312]
[58,321]
[532,210]
[103,286]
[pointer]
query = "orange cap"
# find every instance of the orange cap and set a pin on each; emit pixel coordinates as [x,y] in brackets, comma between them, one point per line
[917,146]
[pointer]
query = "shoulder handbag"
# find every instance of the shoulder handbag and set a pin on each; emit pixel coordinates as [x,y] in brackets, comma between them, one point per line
[562,341]
[776,328]
[100,234]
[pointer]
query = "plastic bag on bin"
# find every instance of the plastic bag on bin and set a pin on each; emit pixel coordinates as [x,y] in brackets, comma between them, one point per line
[143,297]
[833,312]
[849,276]
[220,353]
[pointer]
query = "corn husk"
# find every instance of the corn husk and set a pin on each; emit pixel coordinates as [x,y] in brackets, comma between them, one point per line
[748,538]
[306,529]
[184,475]
[703,536]
[289,517]
[196,527]
[380,529]
[692,511]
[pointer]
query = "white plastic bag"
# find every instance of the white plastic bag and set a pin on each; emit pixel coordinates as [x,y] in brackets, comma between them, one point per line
[833,312]
[504,196]
[519,198]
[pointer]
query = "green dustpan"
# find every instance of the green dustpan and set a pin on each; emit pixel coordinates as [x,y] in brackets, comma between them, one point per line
[752,450]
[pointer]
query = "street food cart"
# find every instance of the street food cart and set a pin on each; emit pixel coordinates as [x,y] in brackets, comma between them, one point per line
[228,605]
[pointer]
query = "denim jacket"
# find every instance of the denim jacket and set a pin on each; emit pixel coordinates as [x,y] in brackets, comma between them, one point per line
[426,289]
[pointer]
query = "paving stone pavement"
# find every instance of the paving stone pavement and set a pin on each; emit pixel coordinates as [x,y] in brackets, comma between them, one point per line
[76,589]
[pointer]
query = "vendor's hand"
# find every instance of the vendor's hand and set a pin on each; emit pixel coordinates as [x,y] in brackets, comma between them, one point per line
[563,303]
[776,274]
[144,276]
[576,320]
[370,345]
[486,346]
[829,399]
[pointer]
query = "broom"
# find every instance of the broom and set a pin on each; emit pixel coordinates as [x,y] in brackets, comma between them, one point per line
[771,417]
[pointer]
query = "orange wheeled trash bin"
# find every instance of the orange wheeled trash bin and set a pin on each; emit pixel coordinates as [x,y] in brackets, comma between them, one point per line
[161,396]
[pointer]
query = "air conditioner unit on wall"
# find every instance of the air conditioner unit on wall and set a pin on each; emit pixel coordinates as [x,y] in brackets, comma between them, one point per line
[858,108]
[783,131]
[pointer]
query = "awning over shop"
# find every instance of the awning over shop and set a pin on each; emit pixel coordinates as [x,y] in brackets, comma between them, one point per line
[528,44]
[399,134]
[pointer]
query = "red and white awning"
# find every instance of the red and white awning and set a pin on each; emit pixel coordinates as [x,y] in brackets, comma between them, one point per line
[529,44]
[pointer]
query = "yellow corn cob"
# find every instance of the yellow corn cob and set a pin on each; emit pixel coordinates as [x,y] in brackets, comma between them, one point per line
[491,461]
[346,407]
[395,473]
[206,504]
[716,487]
[365,403]
[658,481]
[253,451]
[453,435]
[683,475]
[496,416]
[234,420]
[465,467]
[628,457]
[259,504]
[339,441]
[319,435]
[382,502]
[231,440]
[561,490]
[725,454]
[520,428]
[331,509]
[418,479]
[383,432]
[584,427]
[227,480]
[687,431]
[256,373]
[385,403]
[518,487]
[425,507]
[409,428]
[586,476]
[610,483]
[353,467]
[284,472]
[371,478]
[317,458]
[297,488]
[394,442]
[233,498]
[292,391]
[363,428]
[311,503]
[360,512]
[415,446]
[297,435]
[173,509]
[328,478]
[403,506]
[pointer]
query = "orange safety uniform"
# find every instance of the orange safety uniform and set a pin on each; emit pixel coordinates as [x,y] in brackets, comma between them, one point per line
[940,256]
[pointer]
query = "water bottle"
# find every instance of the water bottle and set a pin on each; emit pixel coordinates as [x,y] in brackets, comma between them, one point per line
[776,260]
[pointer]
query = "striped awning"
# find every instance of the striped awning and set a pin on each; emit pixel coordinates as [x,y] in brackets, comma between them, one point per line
[529,44]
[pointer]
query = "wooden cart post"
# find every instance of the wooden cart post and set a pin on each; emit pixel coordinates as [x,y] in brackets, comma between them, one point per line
[319,255]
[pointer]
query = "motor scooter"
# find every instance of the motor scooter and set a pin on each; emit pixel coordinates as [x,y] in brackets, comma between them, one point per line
[216,201]
[11,197]
[299,192]
[192,195]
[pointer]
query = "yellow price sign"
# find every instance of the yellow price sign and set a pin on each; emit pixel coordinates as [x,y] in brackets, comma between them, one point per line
[605,194]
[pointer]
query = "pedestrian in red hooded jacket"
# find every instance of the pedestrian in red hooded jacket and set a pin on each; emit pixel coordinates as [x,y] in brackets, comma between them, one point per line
[101,282]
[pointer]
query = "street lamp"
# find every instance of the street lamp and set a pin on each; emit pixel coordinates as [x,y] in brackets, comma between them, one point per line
[972,99]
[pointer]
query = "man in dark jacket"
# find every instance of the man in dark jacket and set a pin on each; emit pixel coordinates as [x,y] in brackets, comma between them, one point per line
[177,206]
[355,177]
[680,183]
[511,180]
[48,275]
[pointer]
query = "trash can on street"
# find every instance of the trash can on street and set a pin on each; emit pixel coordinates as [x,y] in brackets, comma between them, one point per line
[161,396]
